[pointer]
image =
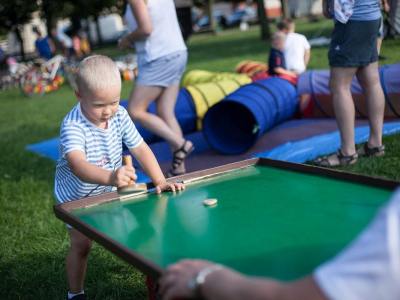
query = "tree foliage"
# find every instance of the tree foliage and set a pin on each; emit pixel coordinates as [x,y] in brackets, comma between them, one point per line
[15,13]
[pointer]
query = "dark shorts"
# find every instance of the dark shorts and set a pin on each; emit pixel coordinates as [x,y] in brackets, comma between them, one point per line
[354,44]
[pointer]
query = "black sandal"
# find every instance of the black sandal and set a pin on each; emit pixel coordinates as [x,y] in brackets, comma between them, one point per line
[179,157]
[336,160]
[371,152]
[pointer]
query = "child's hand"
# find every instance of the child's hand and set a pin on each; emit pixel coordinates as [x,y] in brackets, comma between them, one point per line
[166,186]
[123,176]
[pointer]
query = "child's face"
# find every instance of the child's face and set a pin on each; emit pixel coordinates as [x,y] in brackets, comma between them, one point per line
[278,43]
[99,106]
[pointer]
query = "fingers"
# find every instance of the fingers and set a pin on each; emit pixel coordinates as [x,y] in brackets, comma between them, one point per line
[173,187]
[124,176]
[175,281]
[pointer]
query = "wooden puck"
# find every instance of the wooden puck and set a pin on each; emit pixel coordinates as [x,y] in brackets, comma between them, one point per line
[210,202]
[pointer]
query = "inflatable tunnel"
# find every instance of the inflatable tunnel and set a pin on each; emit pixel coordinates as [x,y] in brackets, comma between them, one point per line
[192,103]
[316,100]
[233,125]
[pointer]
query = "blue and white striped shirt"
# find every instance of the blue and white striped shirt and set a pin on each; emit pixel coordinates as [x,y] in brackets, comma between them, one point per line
[102,147]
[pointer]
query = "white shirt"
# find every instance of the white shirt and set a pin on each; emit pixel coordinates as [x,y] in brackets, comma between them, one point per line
[369,269]
[296,46]
[166,37]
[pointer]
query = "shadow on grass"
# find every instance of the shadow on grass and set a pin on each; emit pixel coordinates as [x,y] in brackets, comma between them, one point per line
[42,276]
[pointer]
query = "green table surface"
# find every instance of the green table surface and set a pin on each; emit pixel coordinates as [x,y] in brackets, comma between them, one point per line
[268,221]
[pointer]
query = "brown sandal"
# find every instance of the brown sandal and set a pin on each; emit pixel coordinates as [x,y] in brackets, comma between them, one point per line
[179,156]
[337,159]
[371,152]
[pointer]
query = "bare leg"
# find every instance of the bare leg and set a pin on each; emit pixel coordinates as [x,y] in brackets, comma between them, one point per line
[76,262]
[166,108]
[139,100]
[368,77]
[340,83]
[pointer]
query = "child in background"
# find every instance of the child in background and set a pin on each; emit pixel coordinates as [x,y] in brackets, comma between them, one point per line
[276,61]
[91,141]
[297,49]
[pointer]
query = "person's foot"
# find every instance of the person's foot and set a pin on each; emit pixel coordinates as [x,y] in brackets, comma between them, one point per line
[336,160]
[78,297]
[367,151]
[179,156]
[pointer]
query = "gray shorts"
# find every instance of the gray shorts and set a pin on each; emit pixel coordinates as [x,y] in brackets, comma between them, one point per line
[354,44]
[164,71]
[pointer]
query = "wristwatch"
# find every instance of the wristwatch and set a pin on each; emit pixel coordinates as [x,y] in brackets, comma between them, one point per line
[198,280]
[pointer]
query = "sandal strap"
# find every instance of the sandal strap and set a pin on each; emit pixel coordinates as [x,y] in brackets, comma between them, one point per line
[374,150]
[346,159]
[182,149]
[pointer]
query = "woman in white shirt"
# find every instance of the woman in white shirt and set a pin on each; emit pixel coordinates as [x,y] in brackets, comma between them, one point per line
[162,57]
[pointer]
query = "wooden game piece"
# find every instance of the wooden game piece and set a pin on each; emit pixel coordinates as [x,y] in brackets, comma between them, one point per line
[210,202]
[132,187]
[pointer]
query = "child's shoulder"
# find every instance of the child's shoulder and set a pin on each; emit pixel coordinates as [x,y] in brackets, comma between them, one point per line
[122,112]
[74,116]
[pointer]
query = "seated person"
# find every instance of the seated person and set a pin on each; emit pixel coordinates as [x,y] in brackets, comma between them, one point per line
[44,45]
[297,49]
[276,61]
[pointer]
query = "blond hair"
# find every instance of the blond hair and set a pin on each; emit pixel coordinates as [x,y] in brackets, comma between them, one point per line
[97,72]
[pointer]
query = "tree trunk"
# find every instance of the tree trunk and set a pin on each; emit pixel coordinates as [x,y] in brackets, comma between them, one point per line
[21,42]
[285,8]
[210,5]
[98,31]
[263,18]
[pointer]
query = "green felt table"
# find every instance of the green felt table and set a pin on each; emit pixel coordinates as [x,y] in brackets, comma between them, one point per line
[271,219]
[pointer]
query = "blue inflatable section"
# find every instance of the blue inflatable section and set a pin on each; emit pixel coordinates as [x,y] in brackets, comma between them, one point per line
[233,125]
[184,111]
[311,148]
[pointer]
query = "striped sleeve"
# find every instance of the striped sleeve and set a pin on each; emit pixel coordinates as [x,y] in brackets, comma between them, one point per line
[72,138]
[130,135]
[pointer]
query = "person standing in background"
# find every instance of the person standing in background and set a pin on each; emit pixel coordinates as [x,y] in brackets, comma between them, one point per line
[353,51]
[162,56]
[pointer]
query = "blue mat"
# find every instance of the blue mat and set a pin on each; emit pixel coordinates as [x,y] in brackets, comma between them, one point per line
[298,151]
[50,149]
[311,148]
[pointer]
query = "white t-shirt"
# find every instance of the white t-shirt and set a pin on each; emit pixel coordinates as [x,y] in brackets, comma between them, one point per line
[296,46]
[166,37]
[369,269]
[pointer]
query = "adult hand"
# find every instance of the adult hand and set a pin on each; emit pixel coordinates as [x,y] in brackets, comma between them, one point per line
[174,284]
[166,186]
[124,42]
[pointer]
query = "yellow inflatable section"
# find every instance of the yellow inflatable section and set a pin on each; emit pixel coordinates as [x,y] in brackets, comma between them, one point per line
[202,76]
[206,95]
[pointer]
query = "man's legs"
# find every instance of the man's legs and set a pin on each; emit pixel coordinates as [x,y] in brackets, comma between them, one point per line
[340,83]
[368,78]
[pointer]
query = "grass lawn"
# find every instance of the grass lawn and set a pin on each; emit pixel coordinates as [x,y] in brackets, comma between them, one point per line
[33,243]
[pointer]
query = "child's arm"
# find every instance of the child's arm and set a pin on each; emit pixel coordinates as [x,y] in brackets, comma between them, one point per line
[149,163]
[283,71]
[88,172]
